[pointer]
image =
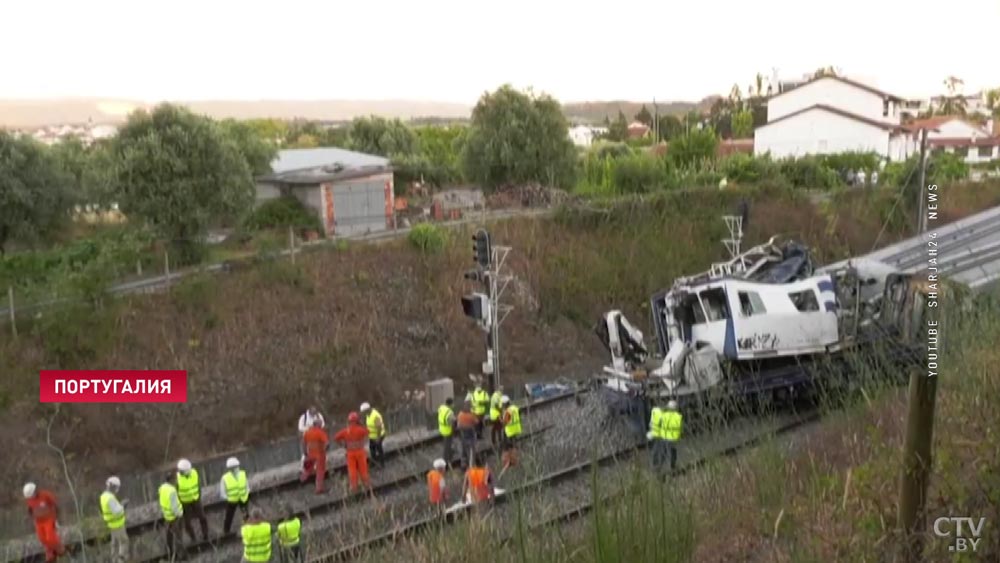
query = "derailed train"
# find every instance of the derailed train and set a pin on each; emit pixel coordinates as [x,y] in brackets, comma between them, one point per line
[755,325]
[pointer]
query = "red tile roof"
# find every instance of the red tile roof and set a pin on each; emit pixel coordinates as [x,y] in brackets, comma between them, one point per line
[854,83]
[837,111]
[935,122]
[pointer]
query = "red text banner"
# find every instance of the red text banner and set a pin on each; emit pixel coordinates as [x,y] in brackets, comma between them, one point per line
[112,386]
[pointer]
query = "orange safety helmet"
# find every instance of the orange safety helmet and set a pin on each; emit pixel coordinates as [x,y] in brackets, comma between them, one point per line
[354,418]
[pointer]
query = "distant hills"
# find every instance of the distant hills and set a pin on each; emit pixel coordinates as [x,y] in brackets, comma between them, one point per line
[39,113]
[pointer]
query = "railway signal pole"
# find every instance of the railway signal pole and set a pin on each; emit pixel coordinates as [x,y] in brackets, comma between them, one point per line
[487,308]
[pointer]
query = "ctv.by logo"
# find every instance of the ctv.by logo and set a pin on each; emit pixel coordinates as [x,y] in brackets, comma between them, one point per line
[961,524]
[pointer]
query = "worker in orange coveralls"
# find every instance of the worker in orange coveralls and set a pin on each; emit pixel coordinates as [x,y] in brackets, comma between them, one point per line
[354,438]
[316,443]
[43,508]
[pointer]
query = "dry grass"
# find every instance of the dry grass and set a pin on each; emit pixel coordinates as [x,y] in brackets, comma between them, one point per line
[370,322]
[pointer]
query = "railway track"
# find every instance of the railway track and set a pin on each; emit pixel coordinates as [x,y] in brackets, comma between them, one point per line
[560,484]
[403,465]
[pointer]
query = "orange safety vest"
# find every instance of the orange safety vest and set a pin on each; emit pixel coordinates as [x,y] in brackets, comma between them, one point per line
[477,483]
[434,478]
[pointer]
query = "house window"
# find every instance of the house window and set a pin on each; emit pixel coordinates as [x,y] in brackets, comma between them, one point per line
[751,304]
[885,107]
[985,152]
[715,304]
[962,151]
[804,301]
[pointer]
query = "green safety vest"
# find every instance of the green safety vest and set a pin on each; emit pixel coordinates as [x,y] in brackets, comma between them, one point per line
[288,532]
[495,405]
[656,423]
[513,428]
[188,490]
[444,427]
[166,492]
[256,541]
[480,401]
[373,433]
[236,487]
[671,424]
[114,521]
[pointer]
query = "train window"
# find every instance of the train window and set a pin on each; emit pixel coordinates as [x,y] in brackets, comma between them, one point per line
[804,301]
[751,303]
[716,307]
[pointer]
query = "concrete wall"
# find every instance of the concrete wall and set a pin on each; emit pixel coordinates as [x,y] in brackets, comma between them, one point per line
[266,192]
[819,132]
[974,156]
[834,93]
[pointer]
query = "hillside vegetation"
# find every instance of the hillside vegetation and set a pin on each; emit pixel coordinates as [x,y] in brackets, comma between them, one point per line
[370,322]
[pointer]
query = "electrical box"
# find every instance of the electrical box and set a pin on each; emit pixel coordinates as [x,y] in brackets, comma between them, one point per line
[437,391]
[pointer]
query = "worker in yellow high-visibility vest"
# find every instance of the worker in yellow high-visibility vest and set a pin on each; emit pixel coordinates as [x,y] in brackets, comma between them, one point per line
[290,538]
[256,534]
[189,491]
[446,426]
[170,506]
[671,424]
[496,416]
[113,512]
[235,490]
[480,405]
[657,445]
[376,431]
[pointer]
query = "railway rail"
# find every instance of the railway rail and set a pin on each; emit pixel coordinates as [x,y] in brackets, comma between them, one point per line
[289,491]
[551,482]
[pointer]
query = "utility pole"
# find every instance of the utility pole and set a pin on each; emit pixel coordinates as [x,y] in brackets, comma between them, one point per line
[921,215]
[498,311]
[915,475]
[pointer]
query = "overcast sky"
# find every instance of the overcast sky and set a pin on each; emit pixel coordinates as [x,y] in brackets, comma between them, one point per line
[452,51]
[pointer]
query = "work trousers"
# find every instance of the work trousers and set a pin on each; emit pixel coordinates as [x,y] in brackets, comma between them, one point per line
[446,454]
[672,451]
[496,433]
[48,536]
[291,554]
[375,447]
[467,436]
[175,541]
[658,453]
[230,512]
[357,466]
[119,545]
[315,465]
[479,426]
[195,511]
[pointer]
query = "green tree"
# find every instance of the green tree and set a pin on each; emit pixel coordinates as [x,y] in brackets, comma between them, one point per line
[35,191]
[304,141]
[694,147]
[828,70]
[516,138]
[180,172]
[257,149]
[384,137]
[618,129]
[742,124]
[954,101]
[670,127]
[274,131]
[440,151]
[644,117]
[72,156]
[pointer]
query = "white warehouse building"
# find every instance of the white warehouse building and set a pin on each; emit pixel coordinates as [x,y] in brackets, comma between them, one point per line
[832,114]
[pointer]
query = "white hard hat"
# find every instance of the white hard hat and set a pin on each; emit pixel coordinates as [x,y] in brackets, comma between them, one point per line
[439,464]
[365,406]
[184,465]
[232,462]
[505,399]
[114,481]
[29,490]
[672,404]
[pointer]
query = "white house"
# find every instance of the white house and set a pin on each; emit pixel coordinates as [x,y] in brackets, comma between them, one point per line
[953,134]
[833,114]
[583,135]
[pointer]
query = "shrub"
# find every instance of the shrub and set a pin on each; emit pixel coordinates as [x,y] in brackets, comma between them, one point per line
[852,160]
[747,169]
[694,147]
[427,238]
[285,211]
[638,173]
[808,172]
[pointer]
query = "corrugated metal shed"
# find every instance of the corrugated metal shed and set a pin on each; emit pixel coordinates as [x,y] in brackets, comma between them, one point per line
[300,159]
[968,251]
